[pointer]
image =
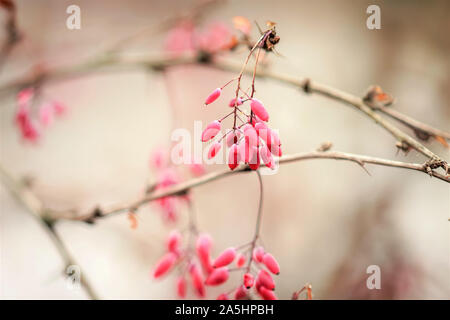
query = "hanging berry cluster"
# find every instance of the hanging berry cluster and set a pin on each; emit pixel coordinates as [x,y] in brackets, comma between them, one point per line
[31,121]
[249,140]
[195,266]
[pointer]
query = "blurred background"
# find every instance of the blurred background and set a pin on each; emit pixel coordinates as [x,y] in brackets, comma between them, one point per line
[325,221]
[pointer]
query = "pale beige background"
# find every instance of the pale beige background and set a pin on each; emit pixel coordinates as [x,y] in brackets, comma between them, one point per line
[313,211]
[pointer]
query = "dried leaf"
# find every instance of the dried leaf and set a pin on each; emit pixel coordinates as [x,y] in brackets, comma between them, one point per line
[442,141]
[242,24]
[133,220]
[270,24]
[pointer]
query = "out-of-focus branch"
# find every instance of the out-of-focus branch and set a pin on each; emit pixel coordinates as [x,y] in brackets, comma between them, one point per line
[12,33]
[422,130]
[115,63]
[35,208]
[184,187]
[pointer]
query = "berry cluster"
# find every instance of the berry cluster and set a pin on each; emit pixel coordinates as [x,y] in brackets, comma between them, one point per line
[249,142]
[197,265]
[31,123]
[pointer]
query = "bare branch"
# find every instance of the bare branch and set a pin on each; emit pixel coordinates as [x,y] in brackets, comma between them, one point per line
[184,187]
[36,209]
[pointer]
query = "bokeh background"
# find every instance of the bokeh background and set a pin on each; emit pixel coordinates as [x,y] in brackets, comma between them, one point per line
[325,221]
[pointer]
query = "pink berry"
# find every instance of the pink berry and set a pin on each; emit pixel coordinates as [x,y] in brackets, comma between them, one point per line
[255,161]
[164,264]
[211,130]
[203,248]
[240,260]
[223,296]
[258,254]
[271,264]
[173,241]
[213,96]
[181,287]
[259,110]
[265,279]
[232,137]
[225,258]
[267,158]
[248,280]
[46,114]
[266,294]
[214,149]
[235,102]
[233,157]
[217,277]
[240,293]
[197,280]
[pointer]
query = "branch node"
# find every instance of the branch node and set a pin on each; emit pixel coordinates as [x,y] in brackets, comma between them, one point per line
[325,146]
[306,86]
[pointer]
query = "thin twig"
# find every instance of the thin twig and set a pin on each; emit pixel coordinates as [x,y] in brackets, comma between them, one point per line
[184,187]
[37,210]
[109,63]
[258,221]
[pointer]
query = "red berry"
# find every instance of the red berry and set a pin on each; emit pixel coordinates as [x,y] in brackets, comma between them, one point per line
[258,254]
[265,279]
[214,149]
[181,287]
[197,280]
[271,264]
[240,293]
[211,130]
[225,258]
[217,277]
[240,260]
[266,294]
[248,280]
[223,296]
[233,157]
[259,110]
[235,102]
[164,264]
[173,241]
[213,96]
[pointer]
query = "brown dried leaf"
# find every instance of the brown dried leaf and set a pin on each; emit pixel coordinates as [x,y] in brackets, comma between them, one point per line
[242,24]
[442,141]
